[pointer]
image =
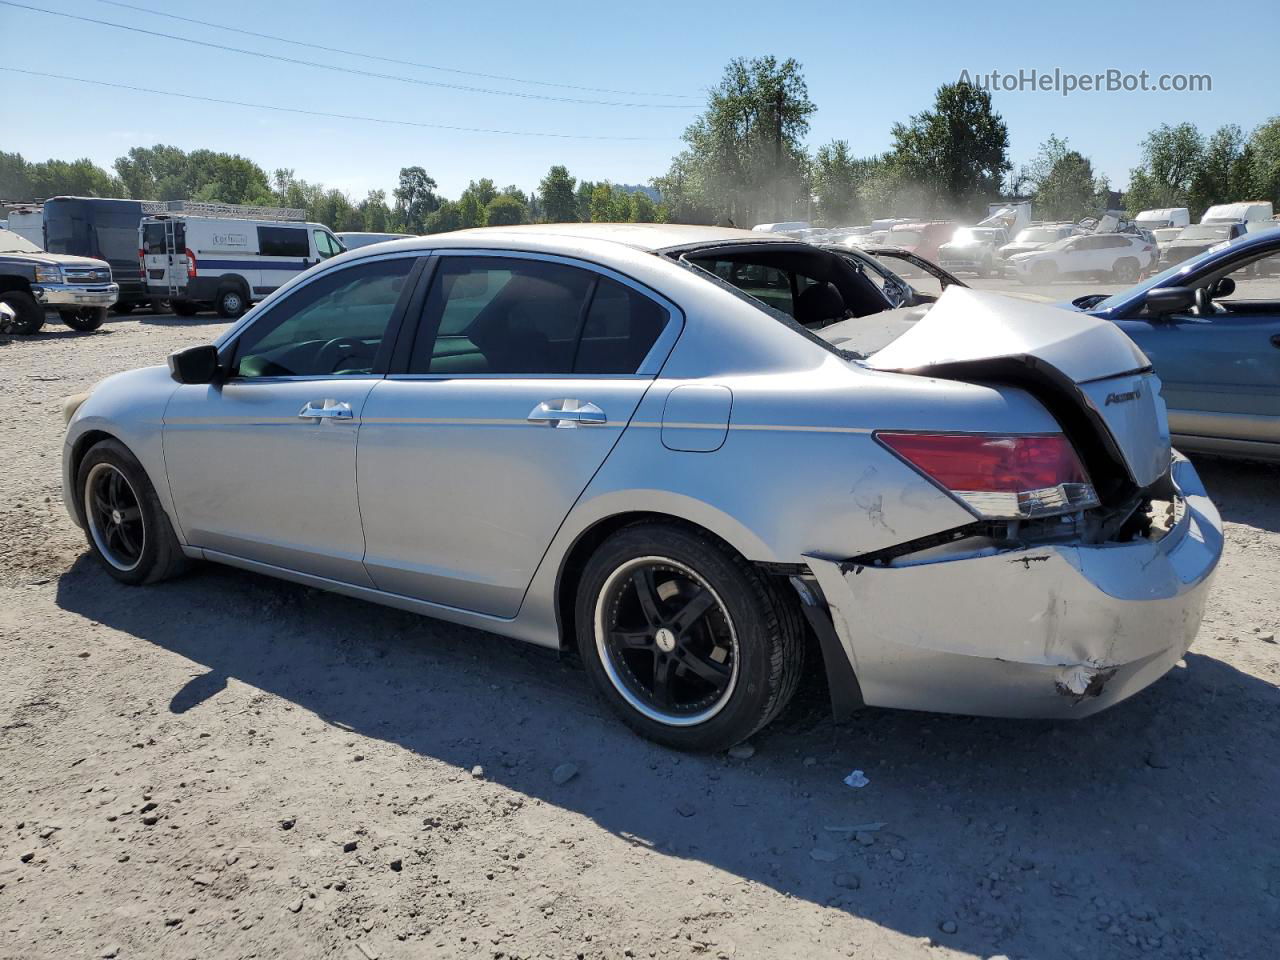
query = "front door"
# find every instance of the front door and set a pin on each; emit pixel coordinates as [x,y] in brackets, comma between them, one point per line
[523,375]
[263,464]
[1221,368]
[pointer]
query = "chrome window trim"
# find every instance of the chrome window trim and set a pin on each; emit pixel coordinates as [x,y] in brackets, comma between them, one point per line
[649,367]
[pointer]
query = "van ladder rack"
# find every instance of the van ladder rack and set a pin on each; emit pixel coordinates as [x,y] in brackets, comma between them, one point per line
[231,211]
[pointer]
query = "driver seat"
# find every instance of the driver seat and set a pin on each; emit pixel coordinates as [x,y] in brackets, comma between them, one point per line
[820,304]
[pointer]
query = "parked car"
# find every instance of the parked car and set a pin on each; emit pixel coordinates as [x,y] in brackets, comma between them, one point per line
[584,435]
[972,250]
[922,238]
[1211,326]
[33,281]
[1121,257]
[351,239]
[100,228]
[1033,238]
[1163,218]
[1193,241]
[227,256]
[1254,214]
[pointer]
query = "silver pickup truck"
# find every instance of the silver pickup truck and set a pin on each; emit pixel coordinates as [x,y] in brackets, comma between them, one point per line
[32,282]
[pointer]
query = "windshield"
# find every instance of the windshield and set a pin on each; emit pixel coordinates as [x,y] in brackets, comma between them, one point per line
[1059,244]
[1203,232]
[1036,235]
[11,242]
[903,238]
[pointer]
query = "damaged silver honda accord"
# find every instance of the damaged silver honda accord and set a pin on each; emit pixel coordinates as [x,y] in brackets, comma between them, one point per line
[696,455]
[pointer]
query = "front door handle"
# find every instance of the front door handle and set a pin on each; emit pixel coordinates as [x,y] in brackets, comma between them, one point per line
[567,413]
[325,410]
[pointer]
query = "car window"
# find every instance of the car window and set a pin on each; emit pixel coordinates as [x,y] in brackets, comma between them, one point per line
[767,284]
[516,316]
[331,326]
[283,242]
[1257,281]
[326,246]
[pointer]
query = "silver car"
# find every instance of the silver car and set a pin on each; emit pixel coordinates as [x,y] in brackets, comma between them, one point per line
[697,456]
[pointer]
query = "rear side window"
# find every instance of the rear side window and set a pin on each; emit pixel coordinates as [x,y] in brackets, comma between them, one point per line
[283,242]
[516,316]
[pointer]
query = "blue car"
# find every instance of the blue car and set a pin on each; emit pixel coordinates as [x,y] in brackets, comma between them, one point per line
[1211,326]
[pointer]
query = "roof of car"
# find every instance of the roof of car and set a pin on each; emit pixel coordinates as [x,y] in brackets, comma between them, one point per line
[640,236]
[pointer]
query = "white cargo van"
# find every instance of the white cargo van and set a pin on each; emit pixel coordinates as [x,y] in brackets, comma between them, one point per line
[226,256]
[1163,218]
[1253,213]
[27,221]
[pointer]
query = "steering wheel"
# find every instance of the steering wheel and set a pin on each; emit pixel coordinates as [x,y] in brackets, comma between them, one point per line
[338,349]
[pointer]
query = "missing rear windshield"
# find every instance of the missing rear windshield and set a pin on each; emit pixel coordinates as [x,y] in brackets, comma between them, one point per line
[773,312]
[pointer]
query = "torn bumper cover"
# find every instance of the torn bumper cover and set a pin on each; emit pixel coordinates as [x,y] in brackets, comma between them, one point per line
[1061,630]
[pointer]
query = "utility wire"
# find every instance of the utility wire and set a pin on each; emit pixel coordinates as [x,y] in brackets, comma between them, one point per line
[403,63]
[338,69]
[327,116]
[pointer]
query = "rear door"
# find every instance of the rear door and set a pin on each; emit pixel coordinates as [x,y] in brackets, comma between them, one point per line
[522,375]
[283,253]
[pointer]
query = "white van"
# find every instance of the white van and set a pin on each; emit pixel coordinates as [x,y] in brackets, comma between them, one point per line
[27,221]
[355,238]
[226,256]
[1254,214]
[1163,218]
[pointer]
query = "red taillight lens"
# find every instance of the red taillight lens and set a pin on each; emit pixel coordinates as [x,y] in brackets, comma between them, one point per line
[1000,476]
[191,264]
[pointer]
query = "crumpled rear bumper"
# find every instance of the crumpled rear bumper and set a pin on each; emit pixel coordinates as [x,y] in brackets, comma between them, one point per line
[1052,631]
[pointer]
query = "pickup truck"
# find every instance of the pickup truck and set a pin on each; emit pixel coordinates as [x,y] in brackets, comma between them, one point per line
[32,282]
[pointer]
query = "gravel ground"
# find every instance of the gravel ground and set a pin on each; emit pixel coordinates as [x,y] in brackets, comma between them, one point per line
[230,766]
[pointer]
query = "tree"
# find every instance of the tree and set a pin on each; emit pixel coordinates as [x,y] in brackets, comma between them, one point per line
[415,198]
[375,215]
[1062,182]
[504,210]
[745,160]
[601,205]
[643,209]
[1261,166]
[155,173]
[1222,174]
[836,175]
[444,218]
[585,190]
[1171,159]
[556,192]
[956,153]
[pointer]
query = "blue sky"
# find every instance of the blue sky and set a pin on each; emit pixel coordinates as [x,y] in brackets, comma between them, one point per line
[867,65]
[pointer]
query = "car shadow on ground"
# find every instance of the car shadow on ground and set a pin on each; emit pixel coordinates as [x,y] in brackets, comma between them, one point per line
[1036,839]
[1244,491]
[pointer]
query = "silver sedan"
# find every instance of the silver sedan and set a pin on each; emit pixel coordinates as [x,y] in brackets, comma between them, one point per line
[699,457]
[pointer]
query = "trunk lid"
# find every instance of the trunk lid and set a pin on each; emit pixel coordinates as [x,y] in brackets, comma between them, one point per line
[1093,379]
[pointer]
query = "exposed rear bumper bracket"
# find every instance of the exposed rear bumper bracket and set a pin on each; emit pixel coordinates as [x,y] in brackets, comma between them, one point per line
[842,682]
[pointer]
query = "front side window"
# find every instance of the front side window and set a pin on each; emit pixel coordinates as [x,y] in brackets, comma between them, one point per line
[330,327]
[283,242]
[514,316]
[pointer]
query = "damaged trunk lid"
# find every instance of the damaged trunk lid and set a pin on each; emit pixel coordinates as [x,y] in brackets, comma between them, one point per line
[1092,378]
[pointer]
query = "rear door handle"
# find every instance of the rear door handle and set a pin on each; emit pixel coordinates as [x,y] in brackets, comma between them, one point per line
[325,410]
[567,413]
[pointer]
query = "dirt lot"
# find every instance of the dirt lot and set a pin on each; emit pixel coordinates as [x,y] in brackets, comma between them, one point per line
[229,766]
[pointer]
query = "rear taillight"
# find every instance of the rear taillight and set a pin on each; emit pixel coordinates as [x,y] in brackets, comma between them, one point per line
[191,263]
[1000,476]
[142,263]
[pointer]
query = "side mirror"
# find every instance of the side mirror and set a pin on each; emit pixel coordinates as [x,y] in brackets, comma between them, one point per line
[195,364]
[1170,299]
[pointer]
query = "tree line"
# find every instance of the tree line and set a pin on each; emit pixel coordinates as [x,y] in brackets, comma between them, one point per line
[744,161]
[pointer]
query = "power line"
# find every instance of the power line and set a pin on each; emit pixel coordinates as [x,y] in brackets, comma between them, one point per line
[324,115]
[403,63]
[338,69]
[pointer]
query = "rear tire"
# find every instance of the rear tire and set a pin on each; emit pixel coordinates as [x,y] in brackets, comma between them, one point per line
[184,308]
[231,303]
[127,528]
[85,319]
[1126,270]
[690,644]
[28,313]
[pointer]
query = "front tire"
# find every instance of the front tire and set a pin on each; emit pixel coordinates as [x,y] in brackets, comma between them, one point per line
[690,644]
[85,319]
[28,313]
[127,528]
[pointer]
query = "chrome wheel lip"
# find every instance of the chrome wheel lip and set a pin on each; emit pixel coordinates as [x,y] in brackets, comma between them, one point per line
[94,522]
[611,671]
